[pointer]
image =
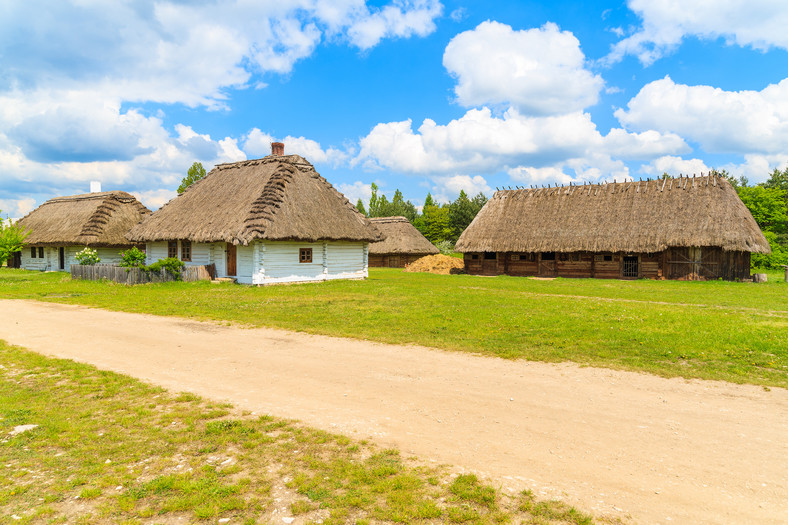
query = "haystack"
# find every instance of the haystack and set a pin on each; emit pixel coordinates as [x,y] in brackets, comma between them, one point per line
[441,264]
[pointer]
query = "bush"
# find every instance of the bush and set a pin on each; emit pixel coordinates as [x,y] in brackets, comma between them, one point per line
[134,258]
[88,256]
[171,264]
[446,247]
[774,260]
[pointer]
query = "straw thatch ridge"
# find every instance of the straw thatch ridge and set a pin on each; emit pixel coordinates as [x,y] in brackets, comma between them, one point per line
[634,217]
[278,197]
[91,219]
[401,237]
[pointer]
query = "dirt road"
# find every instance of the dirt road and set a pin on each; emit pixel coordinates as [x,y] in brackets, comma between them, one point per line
[614,443]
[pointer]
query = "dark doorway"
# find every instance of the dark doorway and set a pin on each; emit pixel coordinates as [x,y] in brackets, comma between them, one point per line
[62,257]
[231,257]
[630,268]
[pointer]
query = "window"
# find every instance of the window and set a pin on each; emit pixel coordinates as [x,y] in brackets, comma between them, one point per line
[186,250]
[548,256]
[489,255]
[305,255]
[608,258]
[172,249]
[40,252]
[32,252]
[475,256]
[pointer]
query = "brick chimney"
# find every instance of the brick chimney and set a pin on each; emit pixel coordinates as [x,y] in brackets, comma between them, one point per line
[277,148]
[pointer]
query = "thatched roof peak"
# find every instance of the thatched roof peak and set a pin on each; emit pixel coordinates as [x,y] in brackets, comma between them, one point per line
[401,237]
[88,219]
[278,197]
[630,216]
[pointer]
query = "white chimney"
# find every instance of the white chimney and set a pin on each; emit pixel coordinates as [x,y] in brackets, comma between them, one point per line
[95,186]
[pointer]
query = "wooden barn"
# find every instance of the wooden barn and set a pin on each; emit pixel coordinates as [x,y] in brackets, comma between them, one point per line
[403,243]
[262,221]
[686,228]
[63,226]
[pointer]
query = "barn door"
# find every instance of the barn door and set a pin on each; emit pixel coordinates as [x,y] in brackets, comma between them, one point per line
[231,258]
[547,266]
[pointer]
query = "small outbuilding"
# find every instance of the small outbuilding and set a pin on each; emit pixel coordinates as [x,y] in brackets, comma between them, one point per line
[403,244]
[63,226]
[685,228]
[262,221]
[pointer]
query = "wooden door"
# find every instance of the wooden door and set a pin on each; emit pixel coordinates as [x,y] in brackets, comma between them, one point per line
[62,257]
[547,265]
[231,258]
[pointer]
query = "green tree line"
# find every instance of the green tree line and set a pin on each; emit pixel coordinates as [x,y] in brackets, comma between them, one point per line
[768,203]
[440,223]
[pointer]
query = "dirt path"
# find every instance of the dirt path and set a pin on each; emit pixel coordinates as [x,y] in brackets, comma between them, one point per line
[615,443]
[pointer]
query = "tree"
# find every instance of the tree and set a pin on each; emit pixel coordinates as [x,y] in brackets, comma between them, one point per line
[461,213]
[768,207]
[195,173]
[777,180]
[360,208]
[12,239]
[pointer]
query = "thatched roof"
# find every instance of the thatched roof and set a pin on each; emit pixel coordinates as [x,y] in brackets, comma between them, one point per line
[401,237]
[645,217]
[278,197]
[90,219]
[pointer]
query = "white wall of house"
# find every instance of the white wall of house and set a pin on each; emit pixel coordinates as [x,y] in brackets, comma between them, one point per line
[267,262]
[279,262]
[51,259]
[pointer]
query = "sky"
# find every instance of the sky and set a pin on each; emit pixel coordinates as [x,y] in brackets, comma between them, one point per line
[417,95]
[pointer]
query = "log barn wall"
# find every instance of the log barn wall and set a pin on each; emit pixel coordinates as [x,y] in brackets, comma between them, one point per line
[686,264]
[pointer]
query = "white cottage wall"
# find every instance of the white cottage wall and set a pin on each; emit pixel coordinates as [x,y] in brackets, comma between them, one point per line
[279,262]
[347,260]
[243,264]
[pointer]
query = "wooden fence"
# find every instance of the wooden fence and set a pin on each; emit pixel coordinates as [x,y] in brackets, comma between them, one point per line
[122,275]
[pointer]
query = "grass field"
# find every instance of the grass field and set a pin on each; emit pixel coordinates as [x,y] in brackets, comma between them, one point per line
[109,449]
[715,330]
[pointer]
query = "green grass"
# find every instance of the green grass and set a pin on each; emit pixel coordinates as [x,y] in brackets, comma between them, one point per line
[111,449]
[714,330]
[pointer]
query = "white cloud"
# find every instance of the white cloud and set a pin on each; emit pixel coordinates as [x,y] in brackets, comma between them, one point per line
[355,191]
[624,145]
[155,199]
[745,122]
[399,19]
[447,189]
[539,71]
[759,24]
[15,209]
[674,166]
[258,144]
[756,168]
[521,145]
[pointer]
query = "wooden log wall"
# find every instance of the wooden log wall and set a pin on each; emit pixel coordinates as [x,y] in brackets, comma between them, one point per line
[393,260]
[122,275]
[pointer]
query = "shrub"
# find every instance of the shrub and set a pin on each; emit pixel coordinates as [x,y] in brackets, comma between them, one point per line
[134,258]
[171,264]
[774,260]
[88,256]
[446,247]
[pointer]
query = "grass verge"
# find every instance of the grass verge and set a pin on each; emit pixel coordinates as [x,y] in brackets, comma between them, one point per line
[713,330]
[108,448]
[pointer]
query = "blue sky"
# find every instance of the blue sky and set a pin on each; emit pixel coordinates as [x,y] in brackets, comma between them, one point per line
[420,95]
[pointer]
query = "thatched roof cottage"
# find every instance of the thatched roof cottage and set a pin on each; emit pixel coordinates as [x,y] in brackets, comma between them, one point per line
[676,228]
[262,221]
[63,226]
[403,243]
